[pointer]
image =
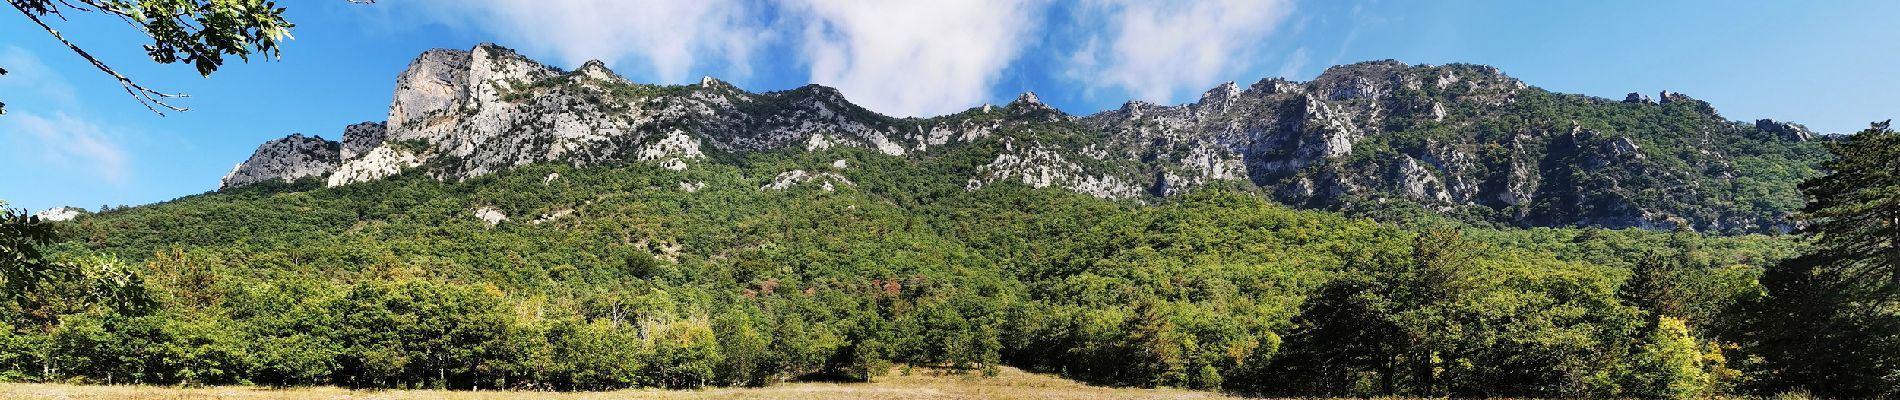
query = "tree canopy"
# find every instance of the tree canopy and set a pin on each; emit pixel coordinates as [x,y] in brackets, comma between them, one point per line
[1830,323]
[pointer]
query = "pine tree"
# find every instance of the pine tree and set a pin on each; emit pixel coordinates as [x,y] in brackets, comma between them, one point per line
[1829,324]
[1854,211]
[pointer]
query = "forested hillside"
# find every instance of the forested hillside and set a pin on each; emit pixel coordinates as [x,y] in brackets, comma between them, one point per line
[1446,231]
[613,276]
[1380,138]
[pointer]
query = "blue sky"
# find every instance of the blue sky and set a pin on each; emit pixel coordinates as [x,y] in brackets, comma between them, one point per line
[72,137]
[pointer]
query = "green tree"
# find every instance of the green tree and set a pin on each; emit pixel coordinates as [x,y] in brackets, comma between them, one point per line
[1829,324]
[21,264]
[1668,365]
[747,361]
[683,354]
[1854,211]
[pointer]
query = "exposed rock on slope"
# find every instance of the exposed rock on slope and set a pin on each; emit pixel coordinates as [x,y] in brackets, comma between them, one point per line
[361,138]
[287,159]
[1460,139]
[483,110]
[57,214]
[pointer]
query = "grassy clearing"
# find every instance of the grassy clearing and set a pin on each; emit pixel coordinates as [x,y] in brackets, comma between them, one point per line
[920,384]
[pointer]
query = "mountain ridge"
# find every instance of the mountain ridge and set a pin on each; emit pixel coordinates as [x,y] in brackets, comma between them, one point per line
[1378,137]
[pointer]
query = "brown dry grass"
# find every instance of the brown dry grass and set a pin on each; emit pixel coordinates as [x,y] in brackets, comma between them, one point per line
[920,384]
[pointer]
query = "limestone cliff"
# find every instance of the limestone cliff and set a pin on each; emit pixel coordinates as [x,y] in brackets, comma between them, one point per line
[287,159]
[1465,140]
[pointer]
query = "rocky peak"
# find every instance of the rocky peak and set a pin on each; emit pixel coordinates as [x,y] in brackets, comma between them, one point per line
[1134,108]
[1668,97]
[1370,79]
[1220,97]
[594,69]
[816,92]
[707,82]
[1638,98]
[1270,86]
[494,70]
[1785,130]
[461,114]
[359,138]
[1028,99]
[435,81]
[1029,106]
[287,159]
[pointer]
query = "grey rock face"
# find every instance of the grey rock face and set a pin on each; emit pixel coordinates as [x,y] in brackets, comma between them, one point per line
[1276,129]
[436,81]
[506,110]
[360,138]
[788,179]
[287,159]
[1668,97]
[490,215]
[378,163]
[1786,130]
[489,109]
[57,214]
[1368,131]
[1040,165]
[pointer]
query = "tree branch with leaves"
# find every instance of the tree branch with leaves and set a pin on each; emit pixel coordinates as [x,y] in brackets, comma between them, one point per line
[202,33]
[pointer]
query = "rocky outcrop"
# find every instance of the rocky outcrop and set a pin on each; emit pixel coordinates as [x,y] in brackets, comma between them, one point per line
[378,163]
[1668,97]
[436,82]
[287,159]
[57,214]
[1785,130]
[360,138]
[672,151]
[827,181]
[1039,165]
[488,109]
[489,215]
[1430,135]
[1462,139]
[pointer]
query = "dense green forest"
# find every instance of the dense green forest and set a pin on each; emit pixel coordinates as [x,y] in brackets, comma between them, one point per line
[612,277]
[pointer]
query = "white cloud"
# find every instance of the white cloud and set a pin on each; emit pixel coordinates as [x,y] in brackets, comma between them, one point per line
[1290,69]
[671,37]
[914,58]
[61,140]
[67,142]
[30,83]
[1155,50]
[907,58]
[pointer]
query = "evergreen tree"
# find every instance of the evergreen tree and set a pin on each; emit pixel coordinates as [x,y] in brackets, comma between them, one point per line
[1829,325]
[1854,211]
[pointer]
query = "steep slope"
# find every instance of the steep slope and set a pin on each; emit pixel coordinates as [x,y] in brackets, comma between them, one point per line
[1376,138]
[1468,140]
[286,159]
[550,276]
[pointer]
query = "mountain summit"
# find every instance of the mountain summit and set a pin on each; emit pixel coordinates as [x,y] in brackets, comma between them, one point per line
[1377,137]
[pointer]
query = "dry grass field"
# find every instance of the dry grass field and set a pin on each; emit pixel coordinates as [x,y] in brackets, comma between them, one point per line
[920,384]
